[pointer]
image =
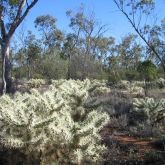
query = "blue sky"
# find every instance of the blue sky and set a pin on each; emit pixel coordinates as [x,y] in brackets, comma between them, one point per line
[105,11]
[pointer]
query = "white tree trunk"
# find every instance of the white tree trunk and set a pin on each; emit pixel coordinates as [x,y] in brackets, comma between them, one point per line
[6,81]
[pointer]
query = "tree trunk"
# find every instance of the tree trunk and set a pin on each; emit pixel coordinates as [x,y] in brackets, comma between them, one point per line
[6,67]
[29,70]
[69,66]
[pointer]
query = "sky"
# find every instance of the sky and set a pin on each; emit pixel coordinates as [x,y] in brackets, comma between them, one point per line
[105,11]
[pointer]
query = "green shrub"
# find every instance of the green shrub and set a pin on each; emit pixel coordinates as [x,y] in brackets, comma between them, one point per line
[147,70]
[20,72]
[114,77]
[132,75]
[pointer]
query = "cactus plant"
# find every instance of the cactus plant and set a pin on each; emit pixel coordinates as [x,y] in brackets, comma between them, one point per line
[35,83]
[155,110]
[55,123]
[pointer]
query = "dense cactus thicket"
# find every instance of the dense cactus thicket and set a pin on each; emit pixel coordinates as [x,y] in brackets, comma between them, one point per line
[55,124]
[35,83]
[155,110]
[133,88]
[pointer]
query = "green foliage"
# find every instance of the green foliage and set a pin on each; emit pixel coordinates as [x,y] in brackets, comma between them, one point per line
[9,10]
[147,70]
[155,110]
[51,36]
[13,2]
[19,73]
[131,75]
[45,22]
[82,66]
[52,66]
[54,123]
[129,52]
[102,75]
[114,77]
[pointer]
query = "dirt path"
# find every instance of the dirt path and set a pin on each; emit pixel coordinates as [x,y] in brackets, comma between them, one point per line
[125,139]
[143,146]
[128,148]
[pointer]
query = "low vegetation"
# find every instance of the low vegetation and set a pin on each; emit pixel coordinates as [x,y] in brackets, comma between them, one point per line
[53,124]
[76,122]
[76,96]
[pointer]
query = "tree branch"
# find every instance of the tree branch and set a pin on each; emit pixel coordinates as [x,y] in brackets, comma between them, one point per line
[1,41]
[20,10]
[3,30]
[20,18]
[2,25]
[151,47]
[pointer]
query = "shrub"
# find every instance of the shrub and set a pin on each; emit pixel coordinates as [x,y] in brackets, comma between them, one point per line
[123,84]
[114,77]
[35,83]
[136,91]
[131,87]
[145,129]
[53,66]
[155,110]
[132,75]
[120,122]
[147,70]
[101,90]
[54,123]
[139,83]
[94,87]
[161,82]
[82,66]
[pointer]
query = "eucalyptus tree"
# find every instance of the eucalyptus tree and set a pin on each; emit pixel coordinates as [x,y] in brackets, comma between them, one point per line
[157,38]
[148,72]
[103,47]
[28,56]
[52,37]
[129,52]
[33,53]
[83,41]
[12,13]
[137,13]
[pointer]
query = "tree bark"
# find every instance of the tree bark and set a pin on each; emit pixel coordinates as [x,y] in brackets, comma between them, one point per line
[6,66]
[6,35]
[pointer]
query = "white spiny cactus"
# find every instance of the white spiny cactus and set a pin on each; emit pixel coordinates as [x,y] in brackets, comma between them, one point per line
[135,90]
[35,83]
[123,84]
[53,120]
[132,88]
[155,110]
[161,82]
